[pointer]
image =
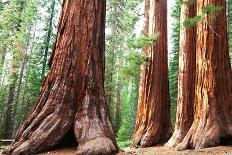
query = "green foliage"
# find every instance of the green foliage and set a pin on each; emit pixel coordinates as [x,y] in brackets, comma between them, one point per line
[3,94]
[180,2]
[211,9]
[192,21]
[133,62]
[1,6]
[22,39]
[144,40]
[204,11]
[121,59]
[174,60]
[128,110]
[124,144]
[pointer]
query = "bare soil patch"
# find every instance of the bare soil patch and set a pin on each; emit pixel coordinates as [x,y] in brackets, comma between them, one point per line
[159,150]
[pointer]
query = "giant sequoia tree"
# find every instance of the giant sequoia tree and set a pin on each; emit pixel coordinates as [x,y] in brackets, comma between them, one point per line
[186,75]
[153,124]
[213,101]
[72,96]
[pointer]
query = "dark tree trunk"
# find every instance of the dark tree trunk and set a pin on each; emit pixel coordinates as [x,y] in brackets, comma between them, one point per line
[27,65]
[118,91]
[24,104]
[47,41]
[3,57]
[186,76]
[16,100]
[25,59]
[9,115]
[213,109]
[117,104]
[153,115]
[12,79]
[110,61]
[72,94]
[109,75]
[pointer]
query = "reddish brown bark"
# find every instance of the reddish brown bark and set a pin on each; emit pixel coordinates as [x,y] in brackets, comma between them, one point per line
[153,124]
[186,76]
[73,94]
[213,108]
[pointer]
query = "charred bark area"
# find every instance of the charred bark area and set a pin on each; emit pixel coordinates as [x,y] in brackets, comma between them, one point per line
[72,96]
[213,109]
[153,124]
[186,76]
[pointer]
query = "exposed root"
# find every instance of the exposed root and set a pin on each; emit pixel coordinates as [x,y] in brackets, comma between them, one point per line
[148,140]
[151,137]
[201,137]
[46,125]
[176,138]
[48,134]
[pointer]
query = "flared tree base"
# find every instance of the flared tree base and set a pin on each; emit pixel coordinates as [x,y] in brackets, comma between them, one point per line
[151,137]
[93,130]
[200,137]
[176,138]
[98,146]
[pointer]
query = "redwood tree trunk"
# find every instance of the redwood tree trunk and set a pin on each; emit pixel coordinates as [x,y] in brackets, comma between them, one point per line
[153,124]
[186,76]
[213,109]
[73,94]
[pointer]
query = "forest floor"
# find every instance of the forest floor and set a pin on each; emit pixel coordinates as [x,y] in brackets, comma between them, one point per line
[159,150]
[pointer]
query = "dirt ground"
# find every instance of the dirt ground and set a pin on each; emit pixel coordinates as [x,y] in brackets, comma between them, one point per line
[159,150]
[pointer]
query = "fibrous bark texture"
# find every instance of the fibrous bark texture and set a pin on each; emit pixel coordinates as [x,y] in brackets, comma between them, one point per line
[153,124]
[72,94]
[186,76]
[213,101]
